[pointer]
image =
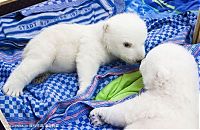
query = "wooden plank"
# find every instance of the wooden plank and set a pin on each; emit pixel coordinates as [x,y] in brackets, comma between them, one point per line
[10,6]
[4,121]
[2,2]
[196,35]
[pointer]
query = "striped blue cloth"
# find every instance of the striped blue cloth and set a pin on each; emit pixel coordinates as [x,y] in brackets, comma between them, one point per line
[53,104]
[65,11]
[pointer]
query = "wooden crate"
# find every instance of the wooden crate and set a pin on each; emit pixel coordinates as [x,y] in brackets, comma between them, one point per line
[196,35]
[10,6]
[3,122]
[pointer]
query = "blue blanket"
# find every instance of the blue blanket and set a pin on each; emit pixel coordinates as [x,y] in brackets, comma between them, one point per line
[53,104]
[161,8]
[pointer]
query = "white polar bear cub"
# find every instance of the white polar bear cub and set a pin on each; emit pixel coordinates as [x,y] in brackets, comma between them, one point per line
[170,76]
[66,47]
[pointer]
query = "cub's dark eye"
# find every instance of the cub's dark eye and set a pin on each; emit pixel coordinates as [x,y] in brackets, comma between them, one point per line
[127,45]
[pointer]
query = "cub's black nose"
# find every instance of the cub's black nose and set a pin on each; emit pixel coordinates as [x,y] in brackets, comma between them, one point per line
[139,61]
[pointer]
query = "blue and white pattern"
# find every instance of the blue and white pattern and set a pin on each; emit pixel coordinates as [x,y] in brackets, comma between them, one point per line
[53,104]
[79,11]
[161,8]
[176,28]
[51,5]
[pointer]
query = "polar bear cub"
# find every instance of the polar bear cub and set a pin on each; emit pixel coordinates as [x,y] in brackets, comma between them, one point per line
[69,47]
[170,76]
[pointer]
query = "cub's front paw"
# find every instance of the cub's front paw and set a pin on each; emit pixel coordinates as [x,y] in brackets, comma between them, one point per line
[110,115]
[97,117]
[81,90]
[12,90]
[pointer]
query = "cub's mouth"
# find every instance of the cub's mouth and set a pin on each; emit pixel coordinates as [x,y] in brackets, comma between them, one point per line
[129,61]
[132,61]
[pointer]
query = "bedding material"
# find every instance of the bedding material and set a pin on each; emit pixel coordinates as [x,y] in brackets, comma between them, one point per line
[24,25]
[173,5]
[52,104]
[161,8]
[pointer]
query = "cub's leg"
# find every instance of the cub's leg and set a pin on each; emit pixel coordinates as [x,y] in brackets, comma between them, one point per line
[125,113]
[37,60]
[116,115]
[88,62]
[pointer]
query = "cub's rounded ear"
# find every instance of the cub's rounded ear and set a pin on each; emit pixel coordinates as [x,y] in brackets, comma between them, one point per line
[163,73]
[105,27]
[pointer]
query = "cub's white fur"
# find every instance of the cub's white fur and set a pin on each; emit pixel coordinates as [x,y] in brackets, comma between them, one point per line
[170,76]
[66,47]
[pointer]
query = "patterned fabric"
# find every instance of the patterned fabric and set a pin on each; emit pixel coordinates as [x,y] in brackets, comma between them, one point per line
[176,28]
[161,8]
[19,28]
[173,5]
[51,5]
[52,104]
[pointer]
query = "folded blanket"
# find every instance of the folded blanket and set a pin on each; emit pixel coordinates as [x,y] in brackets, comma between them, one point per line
[173,5]
[161,8]
[24,25]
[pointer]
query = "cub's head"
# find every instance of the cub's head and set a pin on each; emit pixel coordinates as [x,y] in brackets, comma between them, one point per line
[124,37]
[156,71]
[155,77]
